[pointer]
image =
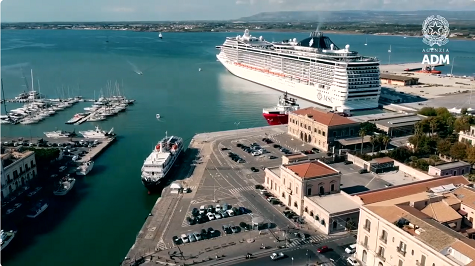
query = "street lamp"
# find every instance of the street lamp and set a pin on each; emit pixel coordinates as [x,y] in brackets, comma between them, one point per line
[237,125]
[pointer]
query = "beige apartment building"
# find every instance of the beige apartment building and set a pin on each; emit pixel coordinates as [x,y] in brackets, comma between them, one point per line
[17,169]
[310,189]
[426,223]
[468,136]
[320,128]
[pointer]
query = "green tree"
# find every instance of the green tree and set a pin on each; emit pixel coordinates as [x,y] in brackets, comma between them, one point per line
[471,155]
[462,123]
[464,111]
[373,140]
[458,151]
[433,124]
[368,127]
[362,134]
[386,140]
[443,146]
[44,157]
[428,111]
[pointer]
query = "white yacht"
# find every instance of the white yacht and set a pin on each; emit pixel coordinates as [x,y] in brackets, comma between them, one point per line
[58,134]
[97,133]
[37,209]
[65,185]
[96,117]
[85,168]
[160,161]
[6,237]
[76,118]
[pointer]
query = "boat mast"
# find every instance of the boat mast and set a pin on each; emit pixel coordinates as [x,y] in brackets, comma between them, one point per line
[4,100]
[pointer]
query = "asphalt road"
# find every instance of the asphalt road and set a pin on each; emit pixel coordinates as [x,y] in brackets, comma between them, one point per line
[300,257]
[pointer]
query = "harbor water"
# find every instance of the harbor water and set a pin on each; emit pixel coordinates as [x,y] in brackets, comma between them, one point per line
[97,222]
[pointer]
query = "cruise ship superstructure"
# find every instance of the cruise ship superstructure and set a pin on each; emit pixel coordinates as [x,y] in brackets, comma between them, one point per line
[314,69]
[160,161]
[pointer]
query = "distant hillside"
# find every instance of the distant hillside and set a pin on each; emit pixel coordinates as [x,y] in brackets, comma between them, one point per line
[400,17]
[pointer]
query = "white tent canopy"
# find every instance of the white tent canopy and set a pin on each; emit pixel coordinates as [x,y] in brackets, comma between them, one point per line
[175,186]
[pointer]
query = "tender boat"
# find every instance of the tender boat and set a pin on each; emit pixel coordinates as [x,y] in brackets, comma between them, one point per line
[279,115]
[85,168]
[97,133]
[6,237]
[157,116]
[76,118]
[65,185]
[59,134]
[37,209]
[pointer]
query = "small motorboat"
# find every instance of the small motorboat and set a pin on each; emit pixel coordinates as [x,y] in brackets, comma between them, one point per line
[157,116]
[199,69]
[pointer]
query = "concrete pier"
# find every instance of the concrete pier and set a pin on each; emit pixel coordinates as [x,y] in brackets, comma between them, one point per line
[95,151]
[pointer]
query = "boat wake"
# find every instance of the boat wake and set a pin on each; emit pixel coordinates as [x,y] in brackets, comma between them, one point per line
[135,68]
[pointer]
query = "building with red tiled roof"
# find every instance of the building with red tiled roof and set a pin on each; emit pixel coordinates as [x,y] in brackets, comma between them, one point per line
[321,128]
[311,189]
[424,223]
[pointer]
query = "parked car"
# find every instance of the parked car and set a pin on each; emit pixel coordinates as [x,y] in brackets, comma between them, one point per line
[176,240]
[348,162]
[234,229]
[218,216]
[254,169]
[17,205]
[351,249]
[204,233]
[227,229]
[195,212]
[211,216]
[352,261]
[323,249]
[197,236]
[276,256]
[192,237]
[62,168]
[190,221]
[218,208]
[10,211]
[211,232]
[184,238]
[202,209]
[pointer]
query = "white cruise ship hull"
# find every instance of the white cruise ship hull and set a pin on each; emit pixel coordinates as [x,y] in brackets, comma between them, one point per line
[293,87]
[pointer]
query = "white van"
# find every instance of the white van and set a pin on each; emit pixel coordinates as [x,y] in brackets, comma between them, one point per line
[351,249]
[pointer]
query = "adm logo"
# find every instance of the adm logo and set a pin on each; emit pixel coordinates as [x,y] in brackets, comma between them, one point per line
[435,30]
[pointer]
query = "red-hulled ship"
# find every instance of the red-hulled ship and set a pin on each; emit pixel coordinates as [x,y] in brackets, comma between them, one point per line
[279,115]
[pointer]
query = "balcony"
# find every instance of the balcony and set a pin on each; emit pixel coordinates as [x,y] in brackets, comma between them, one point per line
[384,239]
[381,256]
[401,251]
[289,191]
[365,245]
[367,228]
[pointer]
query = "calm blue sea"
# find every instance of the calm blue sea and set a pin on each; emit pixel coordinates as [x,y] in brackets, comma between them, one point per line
[98,221]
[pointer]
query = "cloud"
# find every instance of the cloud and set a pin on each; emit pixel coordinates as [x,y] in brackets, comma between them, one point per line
[119,9]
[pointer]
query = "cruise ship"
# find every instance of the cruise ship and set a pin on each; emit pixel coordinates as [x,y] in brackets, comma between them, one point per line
[314,69]
[159,163]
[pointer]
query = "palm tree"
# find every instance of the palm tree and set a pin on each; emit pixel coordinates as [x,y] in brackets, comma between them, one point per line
[386,140]
[433,125]
[362,133]
[373,141]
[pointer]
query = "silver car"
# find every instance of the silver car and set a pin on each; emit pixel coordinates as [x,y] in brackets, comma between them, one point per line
[197,236]
[191,237]
[184,238]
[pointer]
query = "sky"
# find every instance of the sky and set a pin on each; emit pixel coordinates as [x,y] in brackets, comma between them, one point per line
[165,10]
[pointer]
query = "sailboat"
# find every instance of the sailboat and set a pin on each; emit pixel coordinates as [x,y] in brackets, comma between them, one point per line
[389,49]
[160,35]
[366,43]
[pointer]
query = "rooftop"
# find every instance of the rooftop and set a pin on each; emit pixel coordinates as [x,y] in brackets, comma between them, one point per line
[324,117]
[309,170]
[12,156]
[354,140]
[399,121]
[447,166]
[383,160]
[466,196]
[441,212]
[377,117]
[384,194]
[396,77]
[327,202]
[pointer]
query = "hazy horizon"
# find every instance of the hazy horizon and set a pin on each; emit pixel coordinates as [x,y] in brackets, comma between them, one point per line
[50,11]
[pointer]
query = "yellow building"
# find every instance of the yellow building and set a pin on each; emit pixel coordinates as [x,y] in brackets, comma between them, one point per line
[320,128]
[426,223]
[310,189]
[468,136]
[398,80]
[17,169]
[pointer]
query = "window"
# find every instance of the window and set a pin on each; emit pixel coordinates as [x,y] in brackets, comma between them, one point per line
[317,218]
[384,236]
[323,133]
[367,225]
[322,190]
[402,248]
[334,225]
[306,209]
[295,205]
[323,222]
[309,191]
[311,213]
[296,190]
[332,187]
[381,252]
[423,261]
[364,257]
[283,195]
[365,242]
[401,263]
